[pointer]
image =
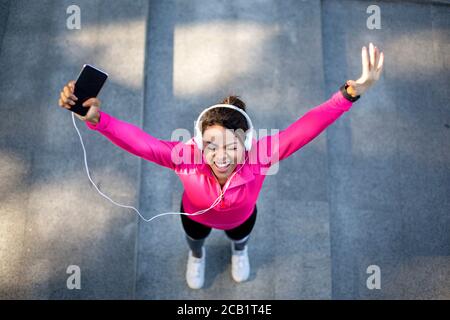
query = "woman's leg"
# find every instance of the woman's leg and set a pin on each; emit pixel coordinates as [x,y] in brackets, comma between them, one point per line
[240,264]
[196,234]
[241,234]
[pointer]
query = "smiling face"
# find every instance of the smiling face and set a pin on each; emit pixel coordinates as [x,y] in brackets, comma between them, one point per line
[223,149]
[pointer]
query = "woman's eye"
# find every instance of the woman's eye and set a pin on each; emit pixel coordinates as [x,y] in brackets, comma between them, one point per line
[212,147]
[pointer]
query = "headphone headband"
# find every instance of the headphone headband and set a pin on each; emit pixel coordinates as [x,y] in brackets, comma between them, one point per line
[198,138]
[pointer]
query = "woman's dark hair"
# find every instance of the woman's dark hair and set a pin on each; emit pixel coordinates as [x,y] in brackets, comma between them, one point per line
[225,117]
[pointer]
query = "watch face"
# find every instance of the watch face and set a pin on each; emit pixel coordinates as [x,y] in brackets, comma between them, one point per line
[347,95]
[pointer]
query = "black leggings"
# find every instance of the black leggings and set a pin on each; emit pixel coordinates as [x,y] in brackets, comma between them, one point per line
[198,231]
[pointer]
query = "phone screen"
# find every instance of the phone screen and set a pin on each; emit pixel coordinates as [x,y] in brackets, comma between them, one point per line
[88,85]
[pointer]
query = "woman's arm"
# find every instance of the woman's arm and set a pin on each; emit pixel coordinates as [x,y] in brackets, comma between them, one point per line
[284,143]
[134,140]
[316,120]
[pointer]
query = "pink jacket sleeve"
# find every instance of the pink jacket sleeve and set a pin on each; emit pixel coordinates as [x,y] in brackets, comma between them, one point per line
[134,140]
[284,143]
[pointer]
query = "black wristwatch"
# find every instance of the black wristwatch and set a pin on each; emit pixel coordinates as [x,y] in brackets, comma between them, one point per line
[343,89]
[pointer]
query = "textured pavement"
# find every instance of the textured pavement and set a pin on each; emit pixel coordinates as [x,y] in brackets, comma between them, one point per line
[370,190]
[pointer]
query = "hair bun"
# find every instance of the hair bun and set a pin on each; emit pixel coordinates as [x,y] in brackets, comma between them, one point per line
[235,101]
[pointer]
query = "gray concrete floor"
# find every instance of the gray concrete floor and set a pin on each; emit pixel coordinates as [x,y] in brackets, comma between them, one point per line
[371,190]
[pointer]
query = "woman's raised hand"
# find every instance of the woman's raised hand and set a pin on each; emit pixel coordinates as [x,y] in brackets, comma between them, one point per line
[372,66]
[67,99]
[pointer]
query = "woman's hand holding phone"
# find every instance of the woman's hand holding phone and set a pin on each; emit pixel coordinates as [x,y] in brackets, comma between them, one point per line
[68,99]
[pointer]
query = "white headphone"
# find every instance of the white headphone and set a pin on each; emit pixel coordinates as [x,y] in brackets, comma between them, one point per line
[198,137]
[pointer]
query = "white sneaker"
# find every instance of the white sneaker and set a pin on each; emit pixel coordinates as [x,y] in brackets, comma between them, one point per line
[240,265]
[195,271]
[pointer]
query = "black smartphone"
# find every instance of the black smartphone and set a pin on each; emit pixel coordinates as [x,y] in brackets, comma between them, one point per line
[88,85]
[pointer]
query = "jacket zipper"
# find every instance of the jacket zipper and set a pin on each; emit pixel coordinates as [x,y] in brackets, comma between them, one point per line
[222,204]
[218,187]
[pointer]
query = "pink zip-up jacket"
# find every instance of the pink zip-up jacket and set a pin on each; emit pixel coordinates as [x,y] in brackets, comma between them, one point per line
[201,187]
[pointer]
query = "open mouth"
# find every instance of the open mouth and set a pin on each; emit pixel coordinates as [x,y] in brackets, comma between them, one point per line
[222,166]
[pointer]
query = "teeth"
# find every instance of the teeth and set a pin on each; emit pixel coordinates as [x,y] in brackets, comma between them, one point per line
[222,165]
